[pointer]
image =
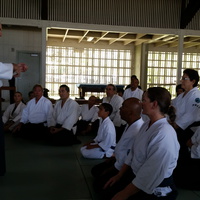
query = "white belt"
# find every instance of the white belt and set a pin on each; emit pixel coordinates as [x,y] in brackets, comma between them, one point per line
[162,191]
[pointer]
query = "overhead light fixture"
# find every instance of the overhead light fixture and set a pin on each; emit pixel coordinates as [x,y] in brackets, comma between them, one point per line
[89,39]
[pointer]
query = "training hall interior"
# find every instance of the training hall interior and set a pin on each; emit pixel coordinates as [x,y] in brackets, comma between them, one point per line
[87,44]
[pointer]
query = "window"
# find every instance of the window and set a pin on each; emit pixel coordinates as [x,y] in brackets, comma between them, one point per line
[191,60]
[161,71]
[71,66]
[162,68]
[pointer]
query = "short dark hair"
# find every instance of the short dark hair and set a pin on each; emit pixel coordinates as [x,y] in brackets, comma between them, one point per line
[114,87]
[107,107]
[66,87]
[134,77]
[193,75]
[37,85]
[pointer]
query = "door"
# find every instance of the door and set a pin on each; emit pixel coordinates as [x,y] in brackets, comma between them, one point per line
[27,80]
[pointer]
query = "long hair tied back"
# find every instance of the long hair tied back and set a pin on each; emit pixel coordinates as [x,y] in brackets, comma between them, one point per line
[163,97]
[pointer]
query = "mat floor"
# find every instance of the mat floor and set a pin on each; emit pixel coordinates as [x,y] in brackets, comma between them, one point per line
[36,171]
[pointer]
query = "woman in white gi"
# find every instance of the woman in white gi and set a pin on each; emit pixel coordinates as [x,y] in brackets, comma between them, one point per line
[147,172]
[187,106]
[12,115]
[65,117]
[104,143]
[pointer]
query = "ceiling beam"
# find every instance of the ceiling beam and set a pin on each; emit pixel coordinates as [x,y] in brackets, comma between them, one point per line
[139,35]
[86,32]
[156,38]
[66,32]
[102,36]
[192,44]
[128,42]
[120,36]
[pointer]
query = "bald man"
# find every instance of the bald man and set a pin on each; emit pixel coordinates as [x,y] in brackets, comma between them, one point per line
[131,113]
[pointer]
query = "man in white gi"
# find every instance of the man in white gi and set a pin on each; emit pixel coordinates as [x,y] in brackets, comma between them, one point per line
[7,71]
[88,117]
[131,113]
[36,116]
[104,143]
[133,90]
[65,117]
[116,102]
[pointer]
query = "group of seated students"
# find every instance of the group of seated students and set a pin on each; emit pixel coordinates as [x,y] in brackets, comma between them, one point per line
[154,154]
[150,143]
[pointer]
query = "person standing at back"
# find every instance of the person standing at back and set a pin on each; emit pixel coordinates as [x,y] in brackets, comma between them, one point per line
[187,106]
[133,90]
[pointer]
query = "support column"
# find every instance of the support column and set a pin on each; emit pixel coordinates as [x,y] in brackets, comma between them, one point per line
[180,53]
[43,68]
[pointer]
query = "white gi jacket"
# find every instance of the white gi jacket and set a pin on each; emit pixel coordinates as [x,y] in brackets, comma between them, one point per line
[187,108]
[6,71]
[67,115]
[154,155]
[106,137]
[116,102]
[16,116]
[125,143]
[137,93]
[38,112]
[195,149]
[89,114]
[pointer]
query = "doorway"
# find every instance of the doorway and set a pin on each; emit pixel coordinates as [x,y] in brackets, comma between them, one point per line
[32,76]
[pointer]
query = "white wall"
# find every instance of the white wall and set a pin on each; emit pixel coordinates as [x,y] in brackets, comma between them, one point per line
[14,40]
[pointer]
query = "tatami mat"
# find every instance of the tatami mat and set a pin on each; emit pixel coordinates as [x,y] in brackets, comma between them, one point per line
[37,171]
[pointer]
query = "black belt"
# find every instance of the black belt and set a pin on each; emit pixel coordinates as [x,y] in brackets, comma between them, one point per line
[112,147]
[194,124]
[60,125]
[38,123]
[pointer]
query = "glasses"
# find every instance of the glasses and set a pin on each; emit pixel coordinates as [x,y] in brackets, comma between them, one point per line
[184,78]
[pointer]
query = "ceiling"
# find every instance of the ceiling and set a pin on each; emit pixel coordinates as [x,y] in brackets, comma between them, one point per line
[124,38]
